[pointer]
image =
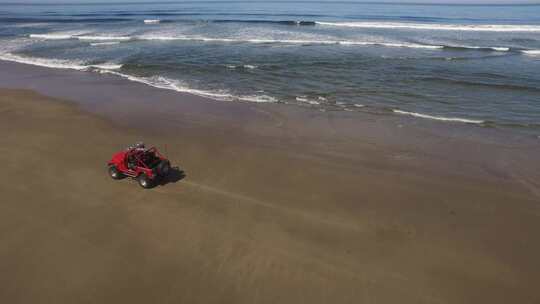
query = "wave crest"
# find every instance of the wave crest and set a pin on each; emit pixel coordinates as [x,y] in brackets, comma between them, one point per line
[531,52]
[149,37]
[156,81]
[161,82]
[104,43]
[440,27]
[58,63]
[51,36]
[440,118]
[79,37]
[287,41]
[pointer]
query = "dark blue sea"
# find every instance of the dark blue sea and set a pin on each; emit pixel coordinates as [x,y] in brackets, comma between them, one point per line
[474,64]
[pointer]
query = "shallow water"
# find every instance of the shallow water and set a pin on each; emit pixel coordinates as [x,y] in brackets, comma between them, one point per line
[457,64]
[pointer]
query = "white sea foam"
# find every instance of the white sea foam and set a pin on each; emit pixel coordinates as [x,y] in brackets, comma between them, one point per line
[306,100]
[106,66]
[258,98]
[168,84]
[60,36]
[245,66]
[442,27]
[51,36]
[152,21]
[174,85]
[532,52]
[103,38]
[58,63]
[157,82]
[164,38]
[441,118]
[288,41]
[493,48]
[398,45]
[50,63]
[104,43]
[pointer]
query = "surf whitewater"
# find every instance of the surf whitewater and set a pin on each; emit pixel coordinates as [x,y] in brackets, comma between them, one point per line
[424,63]
[117,39]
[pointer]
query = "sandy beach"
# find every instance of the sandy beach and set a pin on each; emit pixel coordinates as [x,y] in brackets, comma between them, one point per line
[278,204]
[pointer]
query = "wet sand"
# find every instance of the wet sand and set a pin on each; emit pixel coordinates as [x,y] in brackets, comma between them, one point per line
[278,204]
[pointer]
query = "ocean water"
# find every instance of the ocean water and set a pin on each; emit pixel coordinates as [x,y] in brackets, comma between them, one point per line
[452,63]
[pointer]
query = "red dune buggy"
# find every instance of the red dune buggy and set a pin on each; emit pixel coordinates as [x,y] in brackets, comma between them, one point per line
[145,165]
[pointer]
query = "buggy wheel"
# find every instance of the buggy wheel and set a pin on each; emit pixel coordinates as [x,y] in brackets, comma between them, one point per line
[164,168]
[144,181]
[114,173]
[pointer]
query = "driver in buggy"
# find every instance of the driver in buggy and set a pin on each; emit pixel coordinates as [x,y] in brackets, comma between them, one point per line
[137,146]
[131,160]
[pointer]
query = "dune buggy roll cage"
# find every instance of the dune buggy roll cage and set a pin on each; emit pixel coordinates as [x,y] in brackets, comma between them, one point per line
[134,156]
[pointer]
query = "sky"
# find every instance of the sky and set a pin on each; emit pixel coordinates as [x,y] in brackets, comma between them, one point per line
[394,1]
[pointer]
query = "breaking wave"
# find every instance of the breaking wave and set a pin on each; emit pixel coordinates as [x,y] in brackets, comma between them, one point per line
[285,41]
[440,118]
[156,81]
[479,48]
[79,37]
[123,17]
[232,40]
[531,52]
[161,82]
[245,66]
[149,37]
[440,27]
[104,43]
[304,99]
[52,36]
[58,63]
[285,22]
[103,38]
[105,66]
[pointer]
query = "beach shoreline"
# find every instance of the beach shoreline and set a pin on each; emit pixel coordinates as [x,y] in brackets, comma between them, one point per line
[279,203]
[144,108]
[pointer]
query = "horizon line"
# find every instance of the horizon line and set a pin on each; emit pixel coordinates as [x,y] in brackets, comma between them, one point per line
[274,1]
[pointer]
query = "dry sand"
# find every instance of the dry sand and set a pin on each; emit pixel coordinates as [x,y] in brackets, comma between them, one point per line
[253,220]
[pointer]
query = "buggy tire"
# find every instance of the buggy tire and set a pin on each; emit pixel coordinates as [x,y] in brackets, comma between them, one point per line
[144,181]
[114,173]
[164,168]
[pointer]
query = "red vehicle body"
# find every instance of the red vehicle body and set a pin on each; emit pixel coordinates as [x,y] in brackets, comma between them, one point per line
[145,165]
